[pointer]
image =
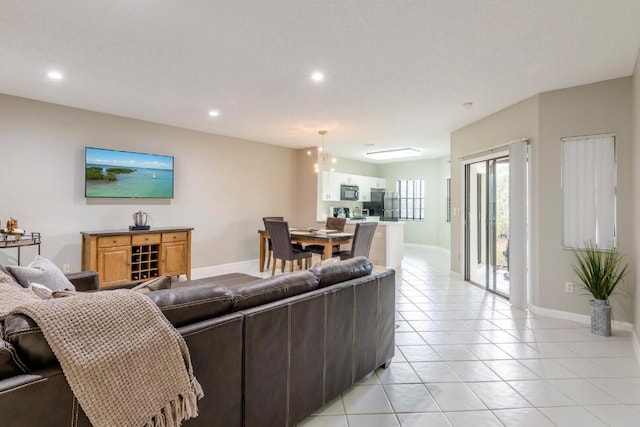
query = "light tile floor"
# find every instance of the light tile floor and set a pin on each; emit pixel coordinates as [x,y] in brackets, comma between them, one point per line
[465,358]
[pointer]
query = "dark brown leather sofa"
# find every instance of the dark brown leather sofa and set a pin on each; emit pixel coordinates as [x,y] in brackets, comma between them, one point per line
[267,352]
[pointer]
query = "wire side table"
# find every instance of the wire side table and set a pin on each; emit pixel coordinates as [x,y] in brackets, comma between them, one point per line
[28,239]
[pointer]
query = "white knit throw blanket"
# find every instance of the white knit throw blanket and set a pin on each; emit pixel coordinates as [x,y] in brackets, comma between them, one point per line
[123,360]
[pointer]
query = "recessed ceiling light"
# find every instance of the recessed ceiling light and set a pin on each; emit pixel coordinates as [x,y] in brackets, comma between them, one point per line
[467,105]
[317,76]
[214,113]
[54,75]
[393,154]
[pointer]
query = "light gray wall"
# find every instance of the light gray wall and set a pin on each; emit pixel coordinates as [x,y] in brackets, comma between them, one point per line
[544,119]
[636,184]
[583,110]
[434,173]
[357,167]
[518,121]
[444,227]
[308,189]
[223,186]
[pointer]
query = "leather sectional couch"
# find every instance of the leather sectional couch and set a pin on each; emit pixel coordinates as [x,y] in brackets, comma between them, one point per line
[267,352]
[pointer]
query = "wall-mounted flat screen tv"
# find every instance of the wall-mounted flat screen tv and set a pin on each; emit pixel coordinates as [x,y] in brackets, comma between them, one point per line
[125,174]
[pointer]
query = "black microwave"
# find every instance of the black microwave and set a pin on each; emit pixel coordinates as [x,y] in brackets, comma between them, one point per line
[349,192]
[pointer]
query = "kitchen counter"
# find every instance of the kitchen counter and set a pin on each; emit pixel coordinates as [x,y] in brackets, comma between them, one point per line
[368,219]
[387,245]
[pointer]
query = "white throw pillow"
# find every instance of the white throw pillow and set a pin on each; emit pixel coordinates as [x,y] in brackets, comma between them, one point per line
[41,290]
[42,271]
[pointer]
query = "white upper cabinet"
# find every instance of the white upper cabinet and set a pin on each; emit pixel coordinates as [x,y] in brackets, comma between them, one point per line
[365,188]
[348,179]
[331,182]
[330,186]
[378,183]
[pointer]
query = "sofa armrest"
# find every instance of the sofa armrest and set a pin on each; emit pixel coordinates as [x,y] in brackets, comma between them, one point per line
[84,280]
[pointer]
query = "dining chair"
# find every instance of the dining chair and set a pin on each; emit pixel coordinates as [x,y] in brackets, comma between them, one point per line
[331,224]
[362,238]
[282,248]
[270,248]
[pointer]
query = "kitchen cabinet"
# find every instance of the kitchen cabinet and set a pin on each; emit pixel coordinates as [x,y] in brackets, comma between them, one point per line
[387,246]
[328,191]
[378,183]
[367,183]
[331,182]
[127,257]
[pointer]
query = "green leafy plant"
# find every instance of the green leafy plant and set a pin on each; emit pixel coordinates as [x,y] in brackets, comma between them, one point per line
[600,271]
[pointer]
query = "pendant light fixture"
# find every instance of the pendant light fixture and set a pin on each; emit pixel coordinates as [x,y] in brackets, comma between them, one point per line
[323,160]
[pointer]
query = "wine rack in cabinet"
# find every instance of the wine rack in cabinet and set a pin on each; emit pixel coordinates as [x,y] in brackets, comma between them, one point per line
[128,257]
[145,256]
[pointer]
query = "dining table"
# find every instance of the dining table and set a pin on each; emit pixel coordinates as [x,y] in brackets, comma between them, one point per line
[307,236]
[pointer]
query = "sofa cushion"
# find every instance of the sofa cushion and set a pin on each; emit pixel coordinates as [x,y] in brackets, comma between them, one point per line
[325,262]
[274,288]
[331,273]
[27,339]
[43,271]
[226,280]
[10,364]
[155,284]
[190,304]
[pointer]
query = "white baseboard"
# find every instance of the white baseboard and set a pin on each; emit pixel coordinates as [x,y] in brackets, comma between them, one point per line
[558,314]
[580,318]
[583,318]
[636,344]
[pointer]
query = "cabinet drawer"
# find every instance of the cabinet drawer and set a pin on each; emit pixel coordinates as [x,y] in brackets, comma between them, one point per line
[145,239]
[174,237]
[109,241]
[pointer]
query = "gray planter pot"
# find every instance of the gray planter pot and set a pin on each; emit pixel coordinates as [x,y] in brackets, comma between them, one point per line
[600,318]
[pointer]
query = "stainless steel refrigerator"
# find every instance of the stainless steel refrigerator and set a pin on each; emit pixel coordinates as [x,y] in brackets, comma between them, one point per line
[385,204]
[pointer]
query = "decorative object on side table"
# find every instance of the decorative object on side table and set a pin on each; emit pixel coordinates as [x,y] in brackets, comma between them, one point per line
[12,230]
[600,271]
[19,238]
[140,221]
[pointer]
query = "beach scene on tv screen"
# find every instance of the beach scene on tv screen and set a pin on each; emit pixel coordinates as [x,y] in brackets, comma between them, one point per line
[111,173]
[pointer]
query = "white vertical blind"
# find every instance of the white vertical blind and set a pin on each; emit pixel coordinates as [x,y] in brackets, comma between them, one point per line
[518,229]
[588,191]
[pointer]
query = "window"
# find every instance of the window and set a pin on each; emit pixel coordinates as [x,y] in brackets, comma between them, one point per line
[589,191]
[411,196]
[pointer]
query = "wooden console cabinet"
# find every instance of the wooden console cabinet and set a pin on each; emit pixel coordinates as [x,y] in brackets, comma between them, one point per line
[123,257]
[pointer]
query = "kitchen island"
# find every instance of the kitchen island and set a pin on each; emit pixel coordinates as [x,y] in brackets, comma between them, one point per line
[388,241]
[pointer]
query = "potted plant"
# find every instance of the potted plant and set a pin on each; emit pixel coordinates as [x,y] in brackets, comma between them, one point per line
[600,271]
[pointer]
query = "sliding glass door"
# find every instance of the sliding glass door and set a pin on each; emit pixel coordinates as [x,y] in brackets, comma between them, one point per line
[487,224]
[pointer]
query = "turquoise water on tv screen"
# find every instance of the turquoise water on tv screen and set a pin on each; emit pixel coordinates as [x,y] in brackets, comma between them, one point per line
[142,183]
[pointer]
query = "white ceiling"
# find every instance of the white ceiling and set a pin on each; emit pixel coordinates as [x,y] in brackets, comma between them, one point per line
[397,72]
